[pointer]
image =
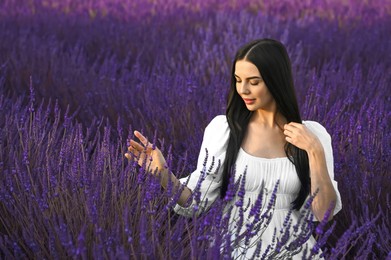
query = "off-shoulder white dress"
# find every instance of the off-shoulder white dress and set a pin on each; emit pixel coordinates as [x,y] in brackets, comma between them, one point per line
[259,170]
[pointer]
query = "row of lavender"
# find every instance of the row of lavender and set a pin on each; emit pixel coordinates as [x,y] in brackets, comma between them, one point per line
[64,178]
[144,10]
[66,193]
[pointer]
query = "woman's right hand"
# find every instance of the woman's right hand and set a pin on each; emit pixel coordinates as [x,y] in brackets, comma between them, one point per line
[144,151]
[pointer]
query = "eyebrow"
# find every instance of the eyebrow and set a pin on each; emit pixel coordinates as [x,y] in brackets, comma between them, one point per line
[253,77]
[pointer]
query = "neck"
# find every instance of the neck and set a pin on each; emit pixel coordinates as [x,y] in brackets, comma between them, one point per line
[268,118]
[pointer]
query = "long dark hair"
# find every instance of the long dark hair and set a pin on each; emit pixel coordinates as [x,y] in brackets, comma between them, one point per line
[272,61]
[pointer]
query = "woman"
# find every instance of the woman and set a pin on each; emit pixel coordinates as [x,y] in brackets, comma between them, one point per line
[263,135]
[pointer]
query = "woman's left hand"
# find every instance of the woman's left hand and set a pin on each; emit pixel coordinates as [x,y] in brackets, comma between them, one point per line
[300,136]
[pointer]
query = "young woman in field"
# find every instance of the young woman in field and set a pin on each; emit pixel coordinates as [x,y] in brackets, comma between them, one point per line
[263,134]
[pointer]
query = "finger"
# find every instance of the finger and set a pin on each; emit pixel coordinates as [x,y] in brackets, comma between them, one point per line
[289,127]
[295,125]
[128,156]
[135,146]
[131,156]
[288,133]
[142,138]
[289,139]
[133,153]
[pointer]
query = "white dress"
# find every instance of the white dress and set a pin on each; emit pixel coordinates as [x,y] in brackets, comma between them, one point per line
[259,170]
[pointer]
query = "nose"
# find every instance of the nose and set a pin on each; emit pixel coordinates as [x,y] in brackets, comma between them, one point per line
[243,88]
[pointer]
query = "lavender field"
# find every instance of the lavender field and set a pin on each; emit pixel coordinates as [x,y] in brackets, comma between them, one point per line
[77,77]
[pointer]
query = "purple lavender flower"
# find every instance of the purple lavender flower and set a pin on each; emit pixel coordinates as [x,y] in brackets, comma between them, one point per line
[62,165]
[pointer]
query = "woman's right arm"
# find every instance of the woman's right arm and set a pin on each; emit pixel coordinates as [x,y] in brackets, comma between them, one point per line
[205,180]
[146,152]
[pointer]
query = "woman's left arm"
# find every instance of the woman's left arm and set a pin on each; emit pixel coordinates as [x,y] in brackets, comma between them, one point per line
[302,137]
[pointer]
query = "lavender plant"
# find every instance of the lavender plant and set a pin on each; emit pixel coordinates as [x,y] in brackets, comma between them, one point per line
[74,195]
[66,190]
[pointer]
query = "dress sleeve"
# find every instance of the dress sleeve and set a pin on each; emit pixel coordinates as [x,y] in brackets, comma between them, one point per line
[207,178]
[325,139]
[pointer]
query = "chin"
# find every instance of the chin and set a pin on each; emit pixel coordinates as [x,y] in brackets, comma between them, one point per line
[252,108]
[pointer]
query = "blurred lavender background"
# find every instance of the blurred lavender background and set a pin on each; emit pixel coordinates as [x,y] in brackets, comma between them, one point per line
[76,77]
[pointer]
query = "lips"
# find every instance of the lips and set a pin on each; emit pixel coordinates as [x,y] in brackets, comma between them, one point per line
[248,101]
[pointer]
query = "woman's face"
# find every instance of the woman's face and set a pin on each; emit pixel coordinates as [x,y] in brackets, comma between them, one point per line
[251,87]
